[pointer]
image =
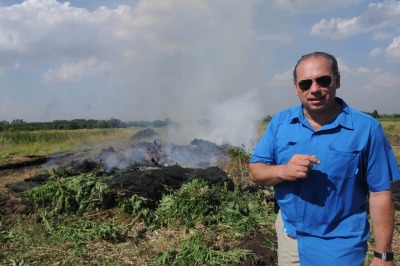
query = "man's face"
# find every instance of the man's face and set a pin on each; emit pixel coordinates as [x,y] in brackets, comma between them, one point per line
[319,98]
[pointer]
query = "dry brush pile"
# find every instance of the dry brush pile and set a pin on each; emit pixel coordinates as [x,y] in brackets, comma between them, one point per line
[149,212]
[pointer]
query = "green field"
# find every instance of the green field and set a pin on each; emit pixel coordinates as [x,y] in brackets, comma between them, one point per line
[19,144]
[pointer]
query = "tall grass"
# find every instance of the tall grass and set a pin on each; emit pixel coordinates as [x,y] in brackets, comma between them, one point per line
[46,142]
[391,127]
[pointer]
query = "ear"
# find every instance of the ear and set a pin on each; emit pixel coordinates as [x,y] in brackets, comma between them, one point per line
[337,80]
[295,88]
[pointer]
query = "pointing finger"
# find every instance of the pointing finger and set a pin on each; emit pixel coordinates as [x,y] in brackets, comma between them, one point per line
[314,159]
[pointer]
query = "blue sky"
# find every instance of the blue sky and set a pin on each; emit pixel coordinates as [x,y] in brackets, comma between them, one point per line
[188,59]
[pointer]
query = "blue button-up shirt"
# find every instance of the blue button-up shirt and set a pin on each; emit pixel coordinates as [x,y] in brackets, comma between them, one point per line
[326,211]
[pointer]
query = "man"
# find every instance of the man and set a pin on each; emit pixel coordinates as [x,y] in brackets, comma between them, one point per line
[323,158]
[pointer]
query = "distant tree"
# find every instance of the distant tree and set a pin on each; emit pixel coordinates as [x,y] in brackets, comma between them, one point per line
[375,114]
[3,125]
[102,124]
[17,122]
[73,125]
[267,118]
[115,123]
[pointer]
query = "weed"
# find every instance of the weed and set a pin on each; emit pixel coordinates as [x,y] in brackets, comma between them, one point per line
[238,152]
[238,166]
[79,232]
[195,251]
[75,194]
[191,204]
[198,202]
[18,263]
[6,234]
[136,205]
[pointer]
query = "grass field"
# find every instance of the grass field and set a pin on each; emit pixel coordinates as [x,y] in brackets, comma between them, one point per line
[121,236]
[17,145]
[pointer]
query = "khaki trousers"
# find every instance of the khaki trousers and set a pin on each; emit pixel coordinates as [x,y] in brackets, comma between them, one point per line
[288,254]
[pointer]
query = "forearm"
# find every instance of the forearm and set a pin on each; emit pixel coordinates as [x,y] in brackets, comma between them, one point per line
[382,218]
[296,168]
[266,175]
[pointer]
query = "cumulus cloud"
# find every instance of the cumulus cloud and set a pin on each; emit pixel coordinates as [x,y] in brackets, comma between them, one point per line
[393,51]
[378,16]
[285,78]
[346,70]
[73,71]
[310,6]
[378,83]
[375,52]
[368,88]
[382,35]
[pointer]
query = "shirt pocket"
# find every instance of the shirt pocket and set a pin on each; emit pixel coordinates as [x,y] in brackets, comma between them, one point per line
[341,163]
[283,151]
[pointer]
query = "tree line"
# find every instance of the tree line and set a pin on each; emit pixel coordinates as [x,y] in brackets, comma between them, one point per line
[374,114]
[19,124]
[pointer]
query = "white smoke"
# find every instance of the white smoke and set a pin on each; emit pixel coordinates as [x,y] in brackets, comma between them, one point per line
[186,60]
[233,121]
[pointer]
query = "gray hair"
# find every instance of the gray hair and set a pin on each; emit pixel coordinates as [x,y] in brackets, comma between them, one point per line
[331,58]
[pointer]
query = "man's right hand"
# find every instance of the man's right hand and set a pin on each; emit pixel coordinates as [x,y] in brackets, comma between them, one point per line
[298,167]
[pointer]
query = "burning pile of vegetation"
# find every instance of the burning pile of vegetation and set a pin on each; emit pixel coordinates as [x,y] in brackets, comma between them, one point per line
[149,203]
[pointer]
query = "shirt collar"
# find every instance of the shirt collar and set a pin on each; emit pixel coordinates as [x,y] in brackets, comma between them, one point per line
[344,118]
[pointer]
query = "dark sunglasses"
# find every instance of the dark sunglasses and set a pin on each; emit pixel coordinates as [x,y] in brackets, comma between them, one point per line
[323,81]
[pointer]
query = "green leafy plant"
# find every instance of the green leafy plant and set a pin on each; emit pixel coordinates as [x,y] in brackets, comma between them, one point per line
[195,251]
[193,203]
[137,205]
[75,194]
[238,152]
[198,202]
[18,263]
[79,232]
[6,234]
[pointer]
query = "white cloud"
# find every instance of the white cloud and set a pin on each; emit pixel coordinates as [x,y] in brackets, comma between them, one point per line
[346,70]
[382,81]
[375,52]
[311,6]
[382,35]
[378,16]
[74,71]
[393,51]
[336,28]
[46,29]
[283,79]
[369,89]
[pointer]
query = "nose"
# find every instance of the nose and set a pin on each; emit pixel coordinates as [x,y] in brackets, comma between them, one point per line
[315,88]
